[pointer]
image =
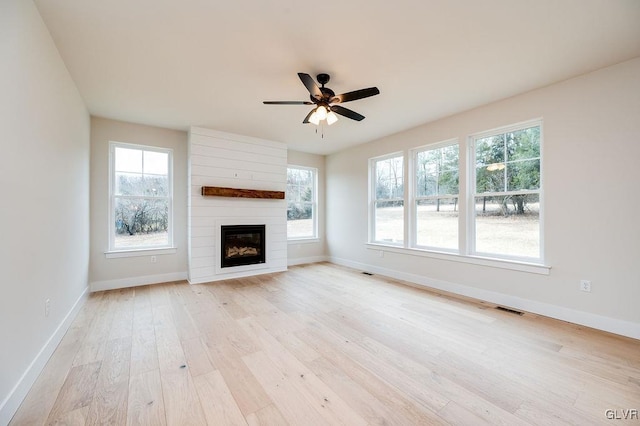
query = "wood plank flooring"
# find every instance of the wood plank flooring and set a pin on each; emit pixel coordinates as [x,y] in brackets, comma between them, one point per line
[322,344]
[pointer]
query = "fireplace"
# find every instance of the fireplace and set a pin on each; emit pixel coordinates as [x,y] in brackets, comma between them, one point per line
[242,245]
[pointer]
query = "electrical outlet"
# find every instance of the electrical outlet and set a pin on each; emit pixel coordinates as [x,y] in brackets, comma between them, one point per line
[585,285]
[47,307]
[381,253]
[154,259]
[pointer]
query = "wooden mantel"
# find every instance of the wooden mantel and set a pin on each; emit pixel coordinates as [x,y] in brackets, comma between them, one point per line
[218,191]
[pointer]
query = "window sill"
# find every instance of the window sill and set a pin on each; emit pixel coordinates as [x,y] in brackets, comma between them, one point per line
[140,252]
[309,240]
[533,268]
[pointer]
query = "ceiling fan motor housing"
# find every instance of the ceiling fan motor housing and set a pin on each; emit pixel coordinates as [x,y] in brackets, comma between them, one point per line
[323,78]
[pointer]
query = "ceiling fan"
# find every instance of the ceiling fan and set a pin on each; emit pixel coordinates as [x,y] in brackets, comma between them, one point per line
[326,100]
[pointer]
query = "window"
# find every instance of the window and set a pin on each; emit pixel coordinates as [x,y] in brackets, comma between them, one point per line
[141,194]
[494,213]
[301,202]
[436,197]
[506,194]
[388,199]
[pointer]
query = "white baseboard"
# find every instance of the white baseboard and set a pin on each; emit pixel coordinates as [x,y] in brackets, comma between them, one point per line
[137,281]
[600,322]
[12,402]
[303,260]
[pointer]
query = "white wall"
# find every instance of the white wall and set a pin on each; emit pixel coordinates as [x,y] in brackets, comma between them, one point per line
[314,250]
[591,177]
[44,207]
[234,161]
[122,272]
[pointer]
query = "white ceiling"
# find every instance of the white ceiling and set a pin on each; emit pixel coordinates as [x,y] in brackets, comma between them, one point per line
[211,63]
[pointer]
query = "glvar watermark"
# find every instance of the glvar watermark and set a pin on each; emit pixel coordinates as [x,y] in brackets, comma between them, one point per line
[622,414]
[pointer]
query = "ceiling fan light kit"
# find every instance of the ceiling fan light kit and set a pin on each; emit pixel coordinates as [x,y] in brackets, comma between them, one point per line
[326,100]
[331,118]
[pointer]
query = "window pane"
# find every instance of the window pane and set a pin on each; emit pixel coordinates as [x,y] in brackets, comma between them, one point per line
[489,150]
[437,223]
[389,221]
[128,160]
[293,192]
[297,211]
[141,222]
[129,184]
[490,178]
[508,225]
[156,163]
[490,166]
[523,144]
[389,178]
[300,220]
[523,175]
[300,184]
[156,186]
[437,171]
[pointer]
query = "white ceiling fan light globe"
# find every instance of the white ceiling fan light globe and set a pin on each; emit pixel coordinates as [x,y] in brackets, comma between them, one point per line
[331,118]
[314,118]
[321,112]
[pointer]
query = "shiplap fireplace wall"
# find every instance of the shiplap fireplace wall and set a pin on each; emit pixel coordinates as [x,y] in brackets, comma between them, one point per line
[234,161]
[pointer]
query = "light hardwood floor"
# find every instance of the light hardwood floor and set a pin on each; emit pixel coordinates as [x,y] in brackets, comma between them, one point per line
[322,344]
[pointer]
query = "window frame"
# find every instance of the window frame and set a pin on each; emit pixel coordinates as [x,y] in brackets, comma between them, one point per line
[466,252]
[414,197]
[113,251]
[472,193]
[373,199]
[313,202]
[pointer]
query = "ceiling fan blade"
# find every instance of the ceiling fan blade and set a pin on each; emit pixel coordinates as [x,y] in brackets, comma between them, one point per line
[355,95]
[306,119]
[311,85]
[346,112]
[287,103]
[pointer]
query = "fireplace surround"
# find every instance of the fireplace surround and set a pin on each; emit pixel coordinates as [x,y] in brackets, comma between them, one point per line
[242,245]
[250,165]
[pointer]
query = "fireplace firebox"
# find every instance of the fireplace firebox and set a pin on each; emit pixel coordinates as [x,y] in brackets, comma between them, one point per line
[242,245]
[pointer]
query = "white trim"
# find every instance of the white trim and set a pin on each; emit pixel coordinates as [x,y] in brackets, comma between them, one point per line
[112,185]
[600,322]
[12,402]
[413,198]
[305,260]
[508,128]
[140,252]
[372,176]
[137,281]
[513,265]
[472,193]
[313,202]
